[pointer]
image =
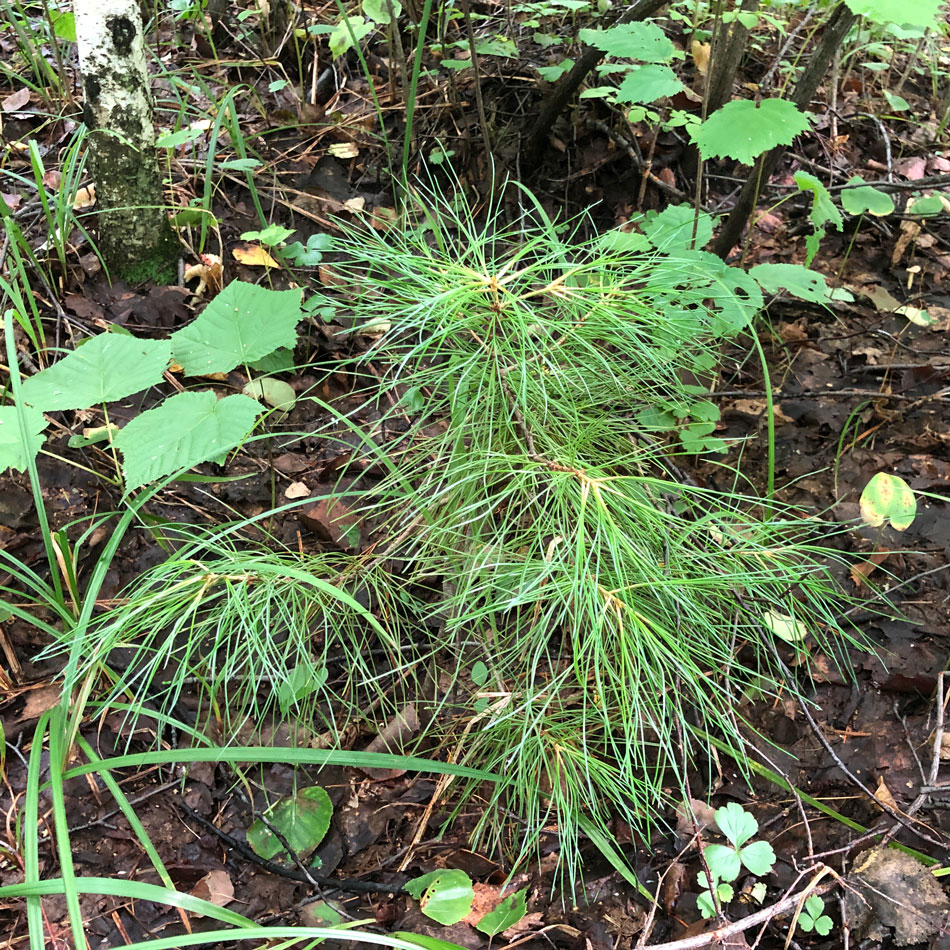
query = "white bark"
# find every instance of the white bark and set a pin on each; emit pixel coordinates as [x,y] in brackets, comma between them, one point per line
[134,233]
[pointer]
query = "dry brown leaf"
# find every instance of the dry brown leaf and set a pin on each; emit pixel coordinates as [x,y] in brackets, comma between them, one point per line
[910,230]
[861,572]
[884,795]
[85,198]
[700,53]
[296,490]
[17,100]
[215,887]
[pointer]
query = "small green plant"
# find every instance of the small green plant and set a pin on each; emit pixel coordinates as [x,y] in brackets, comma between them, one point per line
[725,862]
[186,429]
[813,917]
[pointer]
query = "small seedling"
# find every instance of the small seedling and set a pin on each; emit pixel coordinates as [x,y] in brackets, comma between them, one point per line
[726,861]
[813,917]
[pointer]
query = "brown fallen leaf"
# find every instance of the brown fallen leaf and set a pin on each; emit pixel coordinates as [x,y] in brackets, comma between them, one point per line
[861,572]
[215,887]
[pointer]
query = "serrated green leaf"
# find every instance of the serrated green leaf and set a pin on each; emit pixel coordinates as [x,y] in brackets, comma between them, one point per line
[823,207]
[758,858]
[914,12]
[243,323]
[644,42]
[13,454]
[723,862]
[866,198]
[649,83]
[797,280]
[445,895]
[303,820]
[743,130]
[187,429]
[110,366]
[888,498]
[508,912]
[64,25]
[736,824]
[672,229]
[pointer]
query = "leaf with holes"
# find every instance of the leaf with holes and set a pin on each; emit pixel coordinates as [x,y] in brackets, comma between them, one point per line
[108,367]
[743,130]
[797,280]
[242,324]
[182,432]
[446,895]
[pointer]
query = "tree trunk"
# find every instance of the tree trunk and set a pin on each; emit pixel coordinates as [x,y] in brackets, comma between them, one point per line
[135,238]
[835,31]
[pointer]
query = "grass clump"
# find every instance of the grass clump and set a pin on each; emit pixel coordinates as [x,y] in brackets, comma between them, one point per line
[617,611]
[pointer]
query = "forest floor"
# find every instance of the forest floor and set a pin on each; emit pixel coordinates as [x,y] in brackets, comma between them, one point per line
[858,389]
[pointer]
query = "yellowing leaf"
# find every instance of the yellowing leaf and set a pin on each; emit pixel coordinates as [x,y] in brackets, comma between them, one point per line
[254,256]
[888,498]
[85,198]
[343,150]
[700,53]
[785,627]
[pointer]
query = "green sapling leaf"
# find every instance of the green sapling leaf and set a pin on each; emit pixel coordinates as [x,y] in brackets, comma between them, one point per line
[672,229]
[243,323]
[797,280]
[866,199]
[736,824]
[648,83]
[108,367]
[916,12]
[888,498]
[303,820]
[446,895]
[182,432]
[644,42]
[812,917]
[743,130]
[508,912]
[758,858]
[13,454]
[723,862]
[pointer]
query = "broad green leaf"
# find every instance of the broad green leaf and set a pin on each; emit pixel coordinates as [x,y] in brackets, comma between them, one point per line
[479,673]
[914,12]
[243,323]
[508,912]
[896,103]
[12,454]
[743,130]
[340,37]
[644,42]
[672,229]
[181,137]
[736,824]
[797,280]
[649,83]
[182,432]
[814,906]
[823,208]
[786,628]
[302,681]
[723,862]
[379,10]
[108,367]
[866,198]
[446,895]
[758,857]
[888,498]
[275,392]
[64,25]
[623,241]
[303,820]
[926,205]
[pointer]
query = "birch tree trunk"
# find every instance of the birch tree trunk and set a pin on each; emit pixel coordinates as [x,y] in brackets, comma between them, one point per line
[135,237]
